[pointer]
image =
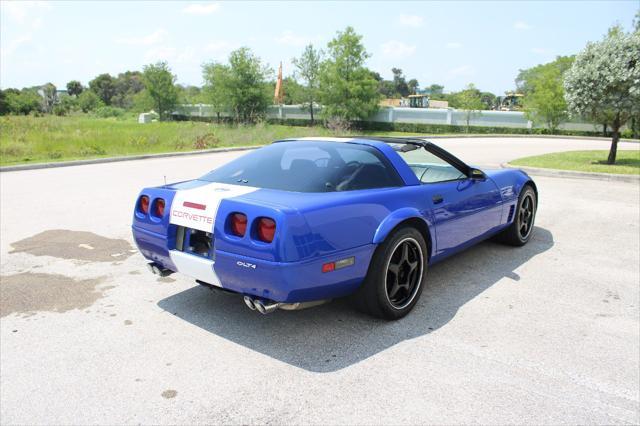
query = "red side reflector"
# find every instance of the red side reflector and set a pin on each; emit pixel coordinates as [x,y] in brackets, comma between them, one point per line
[143,204]
[266,229]
[329,267]
[194,205]
[159,207]
[238,224]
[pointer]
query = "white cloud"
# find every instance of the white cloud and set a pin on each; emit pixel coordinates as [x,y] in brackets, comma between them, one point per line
[219,46]
[397,49]
[414,21]
[170,54]
[289,38]
[453,45]
[463,71]
[153,38]
[14,44]
[541,51]
[522,26]
[19,11]
[201,9]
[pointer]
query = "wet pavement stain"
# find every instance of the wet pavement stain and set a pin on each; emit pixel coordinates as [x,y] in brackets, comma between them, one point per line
[78,245]
[169,393]
[28,293]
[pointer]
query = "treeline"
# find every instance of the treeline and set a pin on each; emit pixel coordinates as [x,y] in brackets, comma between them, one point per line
[335,77]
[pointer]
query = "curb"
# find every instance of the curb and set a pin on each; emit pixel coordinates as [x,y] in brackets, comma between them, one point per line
[575,175]
[36,166]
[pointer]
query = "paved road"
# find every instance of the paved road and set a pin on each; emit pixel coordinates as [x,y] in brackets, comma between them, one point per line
[548,333]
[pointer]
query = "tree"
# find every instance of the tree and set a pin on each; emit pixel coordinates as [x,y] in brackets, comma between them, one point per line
[22,101]
[605,79]
[469,100]
[126,86]
[413,86]
[104,86]
[348,91]
[49,97]
[217,82]
[89,101]
[308,70]
[159,82]
[400,82]
[240,86]
[74,88]
[545,101]
[488,100]
[436,89]
[527,77]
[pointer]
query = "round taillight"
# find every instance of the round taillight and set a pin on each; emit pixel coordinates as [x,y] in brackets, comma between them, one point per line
[266,229]
[143,204]
[238,224]
[159,207]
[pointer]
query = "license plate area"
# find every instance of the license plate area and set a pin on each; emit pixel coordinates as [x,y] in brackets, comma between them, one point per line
[195,241]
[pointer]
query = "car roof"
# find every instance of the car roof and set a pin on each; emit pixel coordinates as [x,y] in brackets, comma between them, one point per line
[365,140]
[395,143]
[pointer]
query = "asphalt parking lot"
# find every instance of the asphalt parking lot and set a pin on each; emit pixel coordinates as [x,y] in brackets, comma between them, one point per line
[547,333]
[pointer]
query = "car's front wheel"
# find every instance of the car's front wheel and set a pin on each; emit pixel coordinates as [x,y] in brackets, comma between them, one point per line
[521,229]
[396,275]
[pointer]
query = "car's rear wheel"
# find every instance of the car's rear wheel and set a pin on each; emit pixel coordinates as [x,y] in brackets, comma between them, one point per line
[521,229]
[396,275]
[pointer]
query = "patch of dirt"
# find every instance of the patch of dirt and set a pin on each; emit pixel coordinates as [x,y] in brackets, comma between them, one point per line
[78,245]
[169,393]
[166,280]
[27,293]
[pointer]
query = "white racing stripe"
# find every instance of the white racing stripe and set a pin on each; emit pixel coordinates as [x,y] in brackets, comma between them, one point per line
[197,207]
[195,267]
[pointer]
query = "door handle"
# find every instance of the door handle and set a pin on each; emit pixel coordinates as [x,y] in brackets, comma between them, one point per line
[437,199]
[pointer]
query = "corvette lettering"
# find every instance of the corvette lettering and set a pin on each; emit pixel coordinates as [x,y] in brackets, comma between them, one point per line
[192,217]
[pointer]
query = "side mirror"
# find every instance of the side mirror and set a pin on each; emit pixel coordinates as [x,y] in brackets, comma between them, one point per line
[477,174]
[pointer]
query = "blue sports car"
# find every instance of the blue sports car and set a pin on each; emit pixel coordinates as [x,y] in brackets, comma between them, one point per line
[303,221]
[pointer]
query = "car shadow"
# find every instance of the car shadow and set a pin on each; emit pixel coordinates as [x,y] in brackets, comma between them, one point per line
[334,336]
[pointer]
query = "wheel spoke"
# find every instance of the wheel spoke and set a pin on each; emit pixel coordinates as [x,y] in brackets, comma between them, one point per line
[405,253]
[394,290]
[394,269]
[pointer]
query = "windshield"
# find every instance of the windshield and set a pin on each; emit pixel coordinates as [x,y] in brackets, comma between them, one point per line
[305,166]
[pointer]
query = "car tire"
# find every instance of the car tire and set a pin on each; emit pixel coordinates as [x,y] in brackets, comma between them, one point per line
[396,275]
[521,229]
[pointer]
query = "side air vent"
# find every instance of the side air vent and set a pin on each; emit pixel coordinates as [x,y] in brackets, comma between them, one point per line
[511,210]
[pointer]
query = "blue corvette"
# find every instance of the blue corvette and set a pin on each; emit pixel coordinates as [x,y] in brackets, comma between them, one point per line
[303,221]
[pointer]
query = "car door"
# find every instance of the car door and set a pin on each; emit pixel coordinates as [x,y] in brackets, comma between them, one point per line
[464,210]
[463,207]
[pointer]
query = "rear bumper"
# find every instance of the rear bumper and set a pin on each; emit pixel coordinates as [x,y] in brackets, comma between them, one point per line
[288,282]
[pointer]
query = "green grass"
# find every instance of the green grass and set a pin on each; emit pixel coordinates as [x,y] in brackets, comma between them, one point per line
[51,138]
[627,161]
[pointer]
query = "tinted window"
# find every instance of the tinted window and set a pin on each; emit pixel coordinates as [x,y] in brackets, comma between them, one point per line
[428,167]
[309,167]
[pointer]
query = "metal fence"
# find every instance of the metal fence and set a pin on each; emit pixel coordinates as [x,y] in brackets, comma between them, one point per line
[409,115]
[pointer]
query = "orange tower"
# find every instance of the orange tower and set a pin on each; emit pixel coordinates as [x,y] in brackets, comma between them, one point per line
[278,96]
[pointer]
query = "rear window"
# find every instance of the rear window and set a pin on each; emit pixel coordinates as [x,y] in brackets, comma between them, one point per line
[309,167]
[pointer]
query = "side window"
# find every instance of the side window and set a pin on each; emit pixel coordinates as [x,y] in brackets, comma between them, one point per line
[430,168]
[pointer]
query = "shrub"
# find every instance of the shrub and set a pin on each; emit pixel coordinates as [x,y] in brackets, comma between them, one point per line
[107,111]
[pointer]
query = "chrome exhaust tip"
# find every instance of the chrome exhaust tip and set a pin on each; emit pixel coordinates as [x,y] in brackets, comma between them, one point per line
[249,302]
[158,270]
[265,307]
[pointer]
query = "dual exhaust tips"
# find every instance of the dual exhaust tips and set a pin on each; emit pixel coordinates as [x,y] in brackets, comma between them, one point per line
[263,306]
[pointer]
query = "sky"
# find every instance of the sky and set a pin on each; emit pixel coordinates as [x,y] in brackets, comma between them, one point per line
[448,43]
